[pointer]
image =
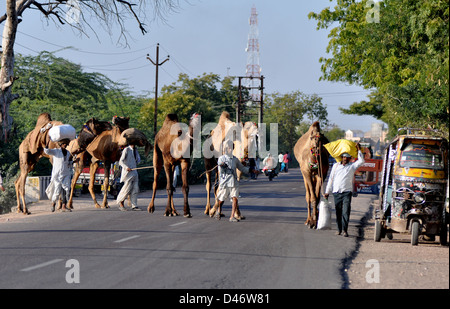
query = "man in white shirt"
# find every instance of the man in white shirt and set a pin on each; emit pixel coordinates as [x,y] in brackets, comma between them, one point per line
[228,183]
[61,174]
[128,162]
[340,183]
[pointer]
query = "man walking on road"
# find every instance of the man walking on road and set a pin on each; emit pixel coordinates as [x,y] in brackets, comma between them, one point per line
[128,161]
[341,185]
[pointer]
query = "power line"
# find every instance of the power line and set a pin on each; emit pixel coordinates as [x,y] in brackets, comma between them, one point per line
[86,51]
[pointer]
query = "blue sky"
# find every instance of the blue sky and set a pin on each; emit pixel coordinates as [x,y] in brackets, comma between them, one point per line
[207,36]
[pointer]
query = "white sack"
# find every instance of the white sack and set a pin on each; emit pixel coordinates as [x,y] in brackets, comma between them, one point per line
[65,131]
[324,222]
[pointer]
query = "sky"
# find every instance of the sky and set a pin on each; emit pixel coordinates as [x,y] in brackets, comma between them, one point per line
[206,36]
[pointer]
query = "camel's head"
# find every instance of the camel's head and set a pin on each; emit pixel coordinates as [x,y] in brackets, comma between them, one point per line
[96,126]
[316,138]
[121,122]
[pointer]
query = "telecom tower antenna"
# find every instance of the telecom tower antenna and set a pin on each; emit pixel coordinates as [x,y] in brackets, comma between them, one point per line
[253,76]
[253,68]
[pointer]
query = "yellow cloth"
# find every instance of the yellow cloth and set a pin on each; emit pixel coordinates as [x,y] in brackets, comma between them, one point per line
[337,148]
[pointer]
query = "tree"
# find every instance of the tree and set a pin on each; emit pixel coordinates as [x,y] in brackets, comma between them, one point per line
[60,87]
[200,94]
[76,14]
[402,58]
[294,112]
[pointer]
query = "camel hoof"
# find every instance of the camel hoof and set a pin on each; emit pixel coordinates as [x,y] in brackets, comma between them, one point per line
[188,215]
[150,209]
[212,212]
[97,205]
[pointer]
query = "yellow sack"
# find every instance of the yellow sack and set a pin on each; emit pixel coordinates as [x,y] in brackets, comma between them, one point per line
[337,148]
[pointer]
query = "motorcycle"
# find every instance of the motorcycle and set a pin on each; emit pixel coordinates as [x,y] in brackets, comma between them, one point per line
[271,173]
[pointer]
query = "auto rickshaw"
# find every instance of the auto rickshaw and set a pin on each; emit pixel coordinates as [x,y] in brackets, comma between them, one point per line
[413,187]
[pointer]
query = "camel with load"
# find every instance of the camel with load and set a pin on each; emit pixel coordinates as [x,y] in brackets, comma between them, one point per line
[31,150]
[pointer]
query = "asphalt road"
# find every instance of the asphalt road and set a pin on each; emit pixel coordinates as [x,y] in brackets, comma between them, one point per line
[91,248]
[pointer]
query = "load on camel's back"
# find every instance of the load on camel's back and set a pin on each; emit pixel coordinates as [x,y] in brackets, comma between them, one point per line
[31,150]
[313,159]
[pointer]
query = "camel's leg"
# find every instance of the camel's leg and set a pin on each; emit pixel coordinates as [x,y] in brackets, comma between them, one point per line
[308,202]
[93,168]
[107,166]
[17,186]
[170,208]
[20,189]
[78,169]
[19,195]
[208,190]
[184,177]
[157,164]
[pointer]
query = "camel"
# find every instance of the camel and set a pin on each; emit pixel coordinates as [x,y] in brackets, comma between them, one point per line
[173,147]
[313,160]
[97,141]
[226,128]
[31,150]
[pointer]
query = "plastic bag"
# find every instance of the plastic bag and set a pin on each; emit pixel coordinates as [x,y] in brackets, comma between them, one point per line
[65,131]
[337,148]
[324,222]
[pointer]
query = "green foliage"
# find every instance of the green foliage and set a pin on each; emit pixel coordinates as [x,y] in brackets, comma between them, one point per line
[403,58]
[192,95]
[294,112]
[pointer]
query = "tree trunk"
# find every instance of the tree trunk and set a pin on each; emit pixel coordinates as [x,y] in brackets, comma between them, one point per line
[7,68]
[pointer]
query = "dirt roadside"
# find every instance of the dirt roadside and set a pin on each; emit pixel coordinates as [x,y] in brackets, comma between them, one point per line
[396,264]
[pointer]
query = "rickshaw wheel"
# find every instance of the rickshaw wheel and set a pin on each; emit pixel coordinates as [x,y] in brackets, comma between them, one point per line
[415,233]
[378,230]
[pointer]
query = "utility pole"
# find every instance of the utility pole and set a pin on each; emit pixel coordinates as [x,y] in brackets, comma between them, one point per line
[157,64]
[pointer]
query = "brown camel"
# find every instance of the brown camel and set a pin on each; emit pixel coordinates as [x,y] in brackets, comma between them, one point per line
[31,150]
[313,160]
[242,136]
[173,146]
[97,142]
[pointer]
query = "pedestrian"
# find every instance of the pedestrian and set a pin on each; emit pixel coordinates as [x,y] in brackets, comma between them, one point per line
[228,183]
[286,160]
[61,174]
[129,176]
[280,162]
[340,184]
[1,183]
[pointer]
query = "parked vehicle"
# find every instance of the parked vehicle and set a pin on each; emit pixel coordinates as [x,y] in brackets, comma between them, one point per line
[83,180]
[414,187]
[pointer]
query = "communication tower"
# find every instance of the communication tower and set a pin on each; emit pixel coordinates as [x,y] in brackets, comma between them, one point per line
[253,78]
[253,71]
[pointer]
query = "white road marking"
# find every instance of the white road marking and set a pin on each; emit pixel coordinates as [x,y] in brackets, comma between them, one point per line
[179,223]
[42,265]
[127,238]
